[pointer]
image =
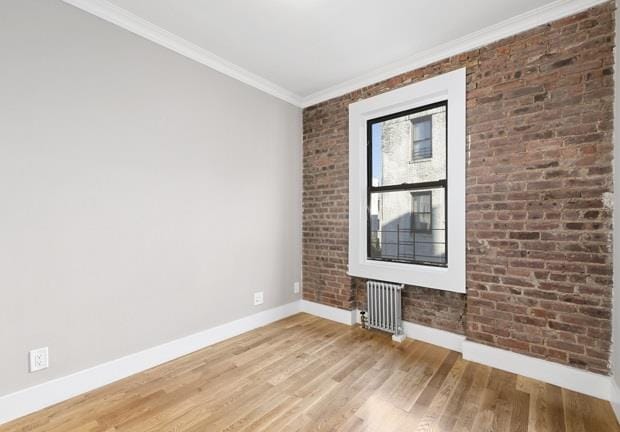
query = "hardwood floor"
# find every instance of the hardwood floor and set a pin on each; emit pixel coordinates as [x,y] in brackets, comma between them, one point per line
[305,374]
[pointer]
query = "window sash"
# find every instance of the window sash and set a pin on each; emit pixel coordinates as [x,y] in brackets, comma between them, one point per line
[408,237]
[412,187]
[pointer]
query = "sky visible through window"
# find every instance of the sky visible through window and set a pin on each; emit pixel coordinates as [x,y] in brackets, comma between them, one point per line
[377,154]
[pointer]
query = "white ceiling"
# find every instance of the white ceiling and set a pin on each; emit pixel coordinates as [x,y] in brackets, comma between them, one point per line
[307,47]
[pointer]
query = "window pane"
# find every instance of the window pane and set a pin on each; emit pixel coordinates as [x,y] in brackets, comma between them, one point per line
[410,148]
[408,226]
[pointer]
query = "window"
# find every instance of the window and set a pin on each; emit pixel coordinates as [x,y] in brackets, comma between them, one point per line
[422,138]
[407,151]
[411,195]
[421,211]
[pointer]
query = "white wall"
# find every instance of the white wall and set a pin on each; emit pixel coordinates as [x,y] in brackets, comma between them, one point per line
[143,196]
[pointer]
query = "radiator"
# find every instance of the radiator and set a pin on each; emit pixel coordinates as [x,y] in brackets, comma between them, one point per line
[384,307]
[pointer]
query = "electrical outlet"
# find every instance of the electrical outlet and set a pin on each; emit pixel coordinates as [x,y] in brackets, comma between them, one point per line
[39,359]
[296,287]
[258,298]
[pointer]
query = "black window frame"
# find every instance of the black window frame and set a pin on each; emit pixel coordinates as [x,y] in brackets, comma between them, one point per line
[411,187]
[421,157]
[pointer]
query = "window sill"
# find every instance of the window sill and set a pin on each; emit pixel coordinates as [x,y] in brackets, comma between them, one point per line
[442,278]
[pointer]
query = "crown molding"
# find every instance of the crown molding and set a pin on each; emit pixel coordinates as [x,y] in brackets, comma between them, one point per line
[133,23]
[526,21]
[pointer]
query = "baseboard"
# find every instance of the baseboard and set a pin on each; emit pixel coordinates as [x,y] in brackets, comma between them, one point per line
[614,399]
[329,312]
[442,338]
[34,398]
[571,378]
[26,401]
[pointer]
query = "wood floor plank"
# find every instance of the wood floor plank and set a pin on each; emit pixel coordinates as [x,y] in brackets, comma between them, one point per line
[431,415]
[305,373]
[459,396]
[597,414]
[573,412]
[520,412]
[469,404]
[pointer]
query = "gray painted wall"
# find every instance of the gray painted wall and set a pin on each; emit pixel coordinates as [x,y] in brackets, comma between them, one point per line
[144,197]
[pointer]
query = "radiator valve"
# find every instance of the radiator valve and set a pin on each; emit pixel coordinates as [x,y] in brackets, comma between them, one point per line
[363,319]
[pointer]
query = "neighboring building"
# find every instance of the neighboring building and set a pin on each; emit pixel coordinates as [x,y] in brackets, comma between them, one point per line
[410,225]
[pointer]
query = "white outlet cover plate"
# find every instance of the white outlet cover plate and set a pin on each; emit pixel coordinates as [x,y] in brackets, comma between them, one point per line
[296,287]
[258,298]
[39,359]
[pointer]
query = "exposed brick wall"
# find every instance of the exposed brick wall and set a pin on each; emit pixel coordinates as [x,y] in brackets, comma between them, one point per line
[539,178]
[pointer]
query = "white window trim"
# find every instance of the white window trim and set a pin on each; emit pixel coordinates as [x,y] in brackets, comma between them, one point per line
[450,86]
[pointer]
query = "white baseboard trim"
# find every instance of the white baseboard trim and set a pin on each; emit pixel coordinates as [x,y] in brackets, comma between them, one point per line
[442,338]
[614,399]
[550,372]
[23,402]
[329,312]
[26,401]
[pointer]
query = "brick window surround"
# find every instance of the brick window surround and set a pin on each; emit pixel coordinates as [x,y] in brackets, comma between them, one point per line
[539,184]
